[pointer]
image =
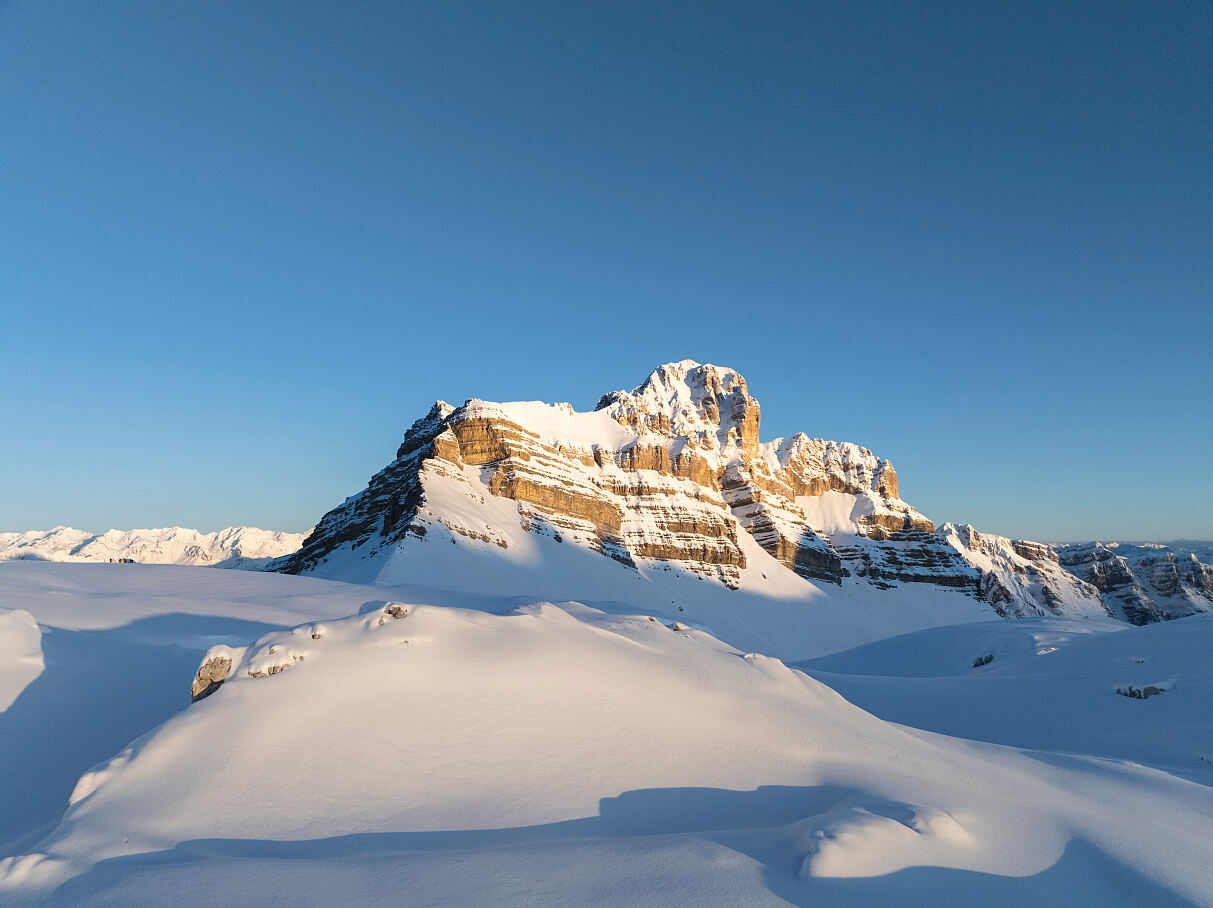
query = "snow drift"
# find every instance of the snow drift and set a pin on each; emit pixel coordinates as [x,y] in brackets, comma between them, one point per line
[553,751]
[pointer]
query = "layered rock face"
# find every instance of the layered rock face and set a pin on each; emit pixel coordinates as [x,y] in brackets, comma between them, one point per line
[671,472]
[1022,579]
[1143,583]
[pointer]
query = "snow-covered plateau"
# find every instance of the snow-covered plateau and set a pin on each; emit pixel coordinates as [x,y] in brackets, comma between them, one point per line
[634,656]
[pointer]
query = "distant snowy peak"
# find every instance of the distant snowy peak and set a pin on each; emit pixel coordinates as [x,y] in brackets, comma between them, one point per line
[246,548]
[1140,583]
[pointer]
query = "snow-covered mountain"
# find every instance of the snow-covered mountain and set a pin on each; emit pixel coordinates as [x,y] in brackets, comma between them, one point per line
[1022,579]
[671,473]
[559,670]
[1145,582]
[671,481]
[246,548]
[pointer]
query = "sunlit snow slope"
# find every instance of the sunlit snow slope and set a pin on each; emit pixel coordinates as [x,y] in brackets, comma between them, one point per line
[109,657]
[554,753]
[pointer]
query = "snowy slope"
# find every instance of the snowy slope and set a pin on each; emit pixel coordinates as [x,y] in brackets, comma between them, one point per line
[20,653]
[110,657]
[555,753]
[247,548]
[1051,684]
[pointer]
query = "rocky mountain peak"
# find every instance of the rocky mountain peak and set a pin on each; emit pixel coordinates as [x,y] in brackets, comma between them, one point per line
[702,402]
[671,477]
[1144,582]
[1022,579]
[668,476]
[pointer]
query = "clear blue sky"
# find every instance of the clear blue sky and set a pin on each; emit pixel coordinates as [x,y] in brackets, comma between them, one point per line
[244,245]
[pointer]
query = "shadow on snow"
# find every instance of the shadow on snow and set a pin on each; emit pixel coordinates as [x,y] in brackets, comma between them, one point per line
[98,691]
[645,833]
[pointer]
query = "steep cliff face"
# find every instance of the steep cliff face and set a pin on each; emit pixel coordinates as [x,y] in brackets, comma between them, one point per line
[1022,579]
[1143,583]
[674,476]
[672,472]
[581,479]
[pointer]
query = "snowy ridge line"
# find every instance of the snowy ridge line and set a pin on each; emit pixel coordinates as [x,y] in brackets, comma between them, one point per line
[245,548]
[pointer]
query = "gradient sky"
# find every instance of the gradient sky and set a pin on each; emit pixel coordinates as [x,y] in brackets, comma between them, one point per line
[244,245]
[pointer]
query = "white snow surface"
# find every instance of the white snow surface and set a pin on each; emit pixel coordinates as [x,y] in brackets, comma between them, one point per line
[247,548]
[1051,684]
[838,513]
[558,425]
[111,656]
[20,653]
[537,752]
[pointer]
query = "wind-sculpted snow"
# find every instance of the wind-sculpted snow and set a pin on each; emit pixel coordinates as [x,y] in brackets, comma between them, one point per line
[562,754]
[246,548]
[20,653]
[98,654]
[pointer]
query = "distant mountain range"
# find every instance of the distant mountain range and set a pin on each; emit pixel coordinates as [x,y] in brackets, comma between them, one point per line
[246,548]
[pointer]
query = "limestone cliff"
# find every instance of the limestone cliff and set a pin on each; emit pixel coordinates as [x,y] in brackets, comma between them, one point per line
[673,471]
[674,475]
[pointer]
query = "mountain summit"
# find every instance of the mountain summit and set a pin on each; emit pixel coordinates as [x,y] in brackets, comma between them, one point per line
[671,472]
[667,482]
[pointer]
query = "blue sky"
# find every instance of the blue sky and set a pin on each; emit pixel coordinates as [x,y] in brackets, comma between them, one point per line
[244,245]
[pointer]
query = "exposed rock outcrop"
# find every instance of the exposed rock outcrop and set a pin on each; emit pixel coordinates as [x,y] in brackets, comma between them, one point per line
[213,671]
